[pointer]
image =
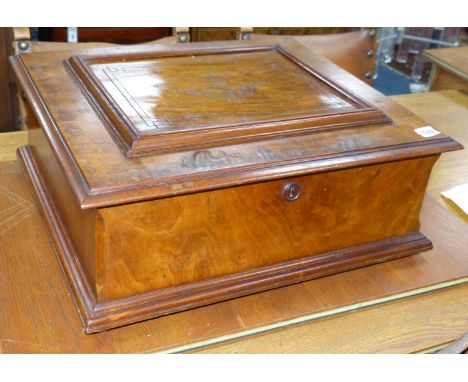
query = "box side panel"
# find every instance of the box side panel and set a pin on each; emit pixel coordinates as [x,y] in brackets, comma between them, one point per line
[80,224]
[173,241]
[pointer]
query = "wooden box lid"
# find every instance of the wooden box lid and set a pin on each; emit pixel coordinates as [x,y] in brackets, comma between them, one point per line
[177,101]
[146,122]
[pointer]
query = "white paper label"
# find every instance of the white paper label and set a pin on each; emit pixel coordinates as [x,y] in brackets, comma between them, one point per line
[72,34]
[426,131]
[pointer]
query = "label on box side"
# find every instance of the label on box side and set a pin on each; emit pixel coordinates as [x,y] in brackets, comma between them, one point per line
[426,131]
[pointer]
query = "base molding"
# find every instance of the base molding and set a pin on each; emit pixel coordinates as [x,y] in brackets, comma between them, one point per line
[103,316]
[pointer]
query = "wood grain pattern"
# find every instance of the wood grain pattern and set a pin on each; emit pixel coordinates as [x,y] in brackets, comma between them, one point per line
[23,35]
[353,51]
[444,80]
[450,116]
[38,314]
[191,238]
[97,292]
[451,68]
[229,96]
[407,330]
[453,60]
[9,142]
[100,175]
[176,251]
[348,50]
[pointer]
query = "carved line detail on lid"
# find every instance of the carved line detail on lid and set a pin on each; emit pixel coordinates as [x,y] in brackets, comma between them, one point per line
[111,74]
[134,142]
[100,197]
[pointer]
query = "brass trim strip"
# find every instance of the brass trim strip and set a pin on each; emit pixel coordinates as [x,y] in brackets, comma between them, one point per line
[313,316]
[448,67]
[434,349]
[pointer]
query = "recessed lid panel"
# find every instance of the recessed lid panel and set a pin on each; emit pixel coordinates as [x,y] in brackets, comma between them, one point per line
[320,123]
[174,101]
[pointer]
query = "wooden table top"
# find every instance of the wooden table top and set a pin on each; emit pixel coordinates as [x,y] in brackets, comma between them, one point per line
[454,60]
[406,305]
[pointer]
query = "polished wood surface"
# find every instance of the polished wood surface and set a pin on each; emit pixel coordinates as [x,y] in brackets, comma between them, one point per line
[101,176]
[451,116]
[96,264]
[185,238]
[451,68]
[39,318]
[414,325]
[46,320]
[22,44]
[135,261]
[452,59]
[9,143]
[353,51]
[177,100]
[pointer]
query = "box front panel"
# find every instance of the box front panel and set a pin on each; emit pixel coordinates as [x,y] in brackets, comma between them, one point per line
[173,241]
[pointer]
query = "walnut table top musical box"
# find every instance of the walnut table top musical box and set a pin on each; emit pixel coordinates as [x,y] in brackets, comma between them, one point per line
[171,177]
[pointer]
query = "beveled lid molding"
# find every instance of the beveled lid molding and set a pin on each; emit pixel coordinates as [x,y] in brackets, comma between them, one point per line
[292,156]
[181,100]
